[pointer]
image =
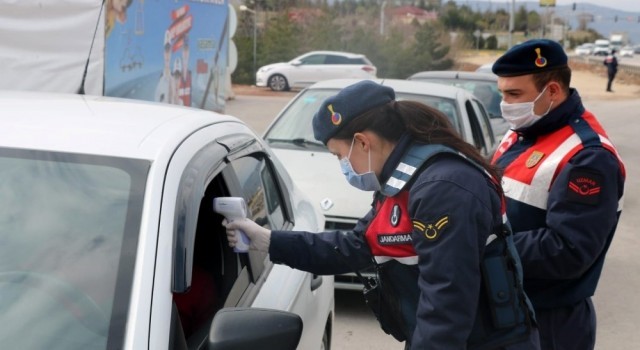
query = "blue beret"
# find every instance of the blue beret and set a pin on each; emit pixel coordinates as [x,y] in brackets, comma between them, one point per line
[338,110]
[530,57]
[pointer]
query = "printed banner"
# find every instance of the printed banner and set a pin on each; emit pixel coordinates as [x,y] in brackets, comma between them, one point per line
[167,51]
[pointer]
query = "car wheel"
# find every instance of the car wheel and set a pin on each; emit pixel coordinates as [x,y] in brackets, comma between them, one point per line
[278,82]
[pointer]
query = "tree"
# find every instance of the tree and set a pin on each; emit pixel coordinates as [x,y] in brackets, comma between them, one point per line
[430,52]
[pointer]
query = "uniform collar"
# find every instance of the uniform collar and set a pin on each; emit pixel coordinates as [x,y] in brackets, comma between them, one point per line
[394,158]
[557,118]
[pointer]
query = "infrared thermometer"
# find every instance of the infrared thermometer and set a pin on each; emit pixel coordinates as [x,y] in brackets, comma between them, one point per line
[233,208]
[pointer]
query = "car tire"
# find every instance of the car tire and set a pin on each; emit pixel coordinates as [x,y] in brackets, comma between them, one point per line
[278,82]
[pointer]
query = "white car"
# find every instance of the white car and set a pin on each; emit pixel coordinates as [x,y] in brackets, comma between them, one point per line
[585,49]
[312,67]
[626,51]
[317,172]
[108,239]
[483,85]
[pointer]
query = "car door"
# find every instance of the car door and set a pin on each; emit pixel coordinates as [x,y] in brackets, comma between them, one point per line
[196,272]
[310,70]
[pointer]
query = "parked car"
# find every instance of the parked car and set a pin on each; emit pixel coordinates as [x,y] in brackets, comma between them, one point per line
[317,172]
[485,68]
[585,49]
[107,222]
[627,51]
[315,66]
[483,85]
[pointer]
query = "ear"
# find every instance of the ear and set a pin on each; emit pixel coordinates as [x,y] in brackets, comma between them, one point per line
[554,89]
[362,140]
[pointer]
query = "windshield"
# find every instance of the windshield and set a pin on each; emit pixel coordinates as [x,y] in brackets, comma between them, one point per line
[293,128]
[68,235]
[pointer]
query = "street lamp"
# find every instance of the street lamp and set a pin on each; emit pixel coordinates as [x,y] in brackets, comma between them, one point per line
[245,8]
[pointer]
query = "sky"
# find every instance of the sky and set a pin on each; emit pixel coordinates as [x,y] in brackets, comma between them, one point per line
[623,5]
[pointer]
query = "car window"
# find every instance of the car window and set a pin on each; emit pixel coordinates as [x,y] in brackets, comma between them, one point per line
[313,59]
[486,91]
[260,192]
[221,277]
[295,121]
[69,225]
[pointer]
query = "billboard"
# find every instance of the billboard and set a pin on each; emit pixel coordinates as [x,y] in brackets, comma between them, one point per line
[547,3]
[167,51]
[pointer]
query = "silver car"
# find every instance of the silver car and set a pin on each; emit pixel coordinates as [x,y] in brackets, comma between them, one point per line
[317,172]
[108,239]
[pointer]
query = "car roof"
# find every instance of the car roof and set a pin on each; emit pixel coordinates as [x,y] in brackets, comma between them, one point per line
[349,54]
[455,75]
[96,124]
[398,85]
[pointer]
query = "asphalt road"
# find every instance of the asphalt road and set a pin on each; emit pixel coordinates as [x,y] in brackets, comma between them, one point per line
[616,299]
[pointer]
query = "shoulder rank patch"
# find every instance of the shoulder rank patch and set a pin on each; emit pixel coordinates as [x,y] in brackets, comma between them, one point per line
[432,230]
[534,159]
[584,186]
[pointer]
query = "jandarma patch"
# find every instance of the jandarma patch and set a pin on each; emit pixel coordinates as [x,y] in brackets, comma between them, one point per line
[584,186]
[432,230]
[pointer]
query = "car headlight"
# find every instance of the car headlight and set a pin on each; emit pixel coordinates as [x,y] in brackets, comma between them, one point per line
[264,69]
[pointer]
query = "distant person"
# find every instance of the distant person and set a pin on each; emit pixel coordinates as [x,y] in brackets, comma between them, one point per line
[563,180]
[612,68]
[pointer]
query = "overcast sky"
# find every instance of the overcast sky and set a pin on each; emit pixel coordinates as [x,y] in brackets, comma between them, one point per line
[623,5]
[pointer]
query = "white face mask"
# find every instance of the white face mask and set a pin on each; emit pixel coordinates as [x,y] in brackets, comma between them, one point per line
[521,115]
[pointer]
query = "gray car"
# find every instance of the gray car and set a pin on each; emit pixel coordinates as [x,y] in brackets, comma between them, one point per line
[317,172]
[483,85]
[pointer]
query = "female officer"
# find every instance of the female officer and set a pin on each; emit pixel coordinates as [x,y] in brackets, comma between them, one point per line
[447,276]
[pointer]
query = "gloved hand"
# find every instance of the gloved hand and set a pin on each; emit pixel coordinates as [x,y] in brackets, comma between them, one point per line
[260,237]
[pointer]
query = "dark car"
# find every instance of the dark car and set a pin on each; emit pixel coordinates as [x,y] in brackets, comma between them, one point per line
[483,85]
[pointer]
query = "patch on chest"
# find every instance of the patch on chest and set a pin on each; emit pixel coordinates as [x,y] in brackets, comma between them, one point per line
[534,159]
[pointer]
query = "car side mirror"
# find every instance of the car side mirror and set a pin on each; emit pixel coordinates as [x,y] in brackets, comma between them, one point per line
[254,328]
[295,63]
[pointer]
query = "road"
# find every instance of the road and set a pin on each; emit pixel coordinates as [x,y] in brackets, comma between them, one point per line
[616,298]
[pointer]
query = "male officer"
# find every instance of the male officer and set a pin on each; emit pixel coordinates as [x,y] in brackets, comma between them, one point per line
[564,181]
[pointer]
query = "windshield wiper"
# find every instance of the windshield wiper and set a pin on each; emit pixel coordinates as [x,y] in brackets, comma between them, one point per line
[300,142]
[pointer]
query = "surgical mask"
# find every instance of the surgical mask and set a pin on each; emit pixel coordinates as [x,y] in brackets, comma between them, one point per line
[521,115]
[367,181]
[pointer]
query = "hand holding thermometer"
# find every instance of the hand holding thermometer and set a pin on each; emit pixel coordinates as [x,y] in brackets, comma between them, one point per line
[233,208]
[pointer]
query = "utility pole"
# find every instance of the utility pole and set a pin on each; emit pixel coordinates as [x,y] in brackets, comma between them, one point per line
[384,4]
[512,12]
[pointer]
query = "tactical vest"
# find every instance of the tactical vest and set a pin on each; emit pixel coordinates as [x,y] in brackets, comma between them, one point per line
[389,237]
[529,177]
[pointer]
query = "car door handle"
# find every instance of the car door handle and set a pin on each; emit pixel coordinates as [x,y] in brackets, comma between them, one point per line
[316,282]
